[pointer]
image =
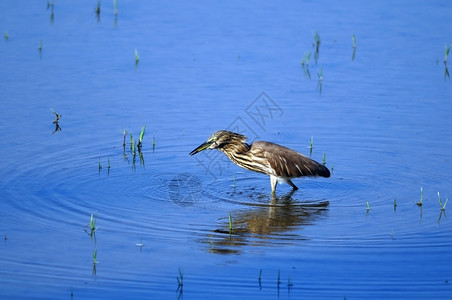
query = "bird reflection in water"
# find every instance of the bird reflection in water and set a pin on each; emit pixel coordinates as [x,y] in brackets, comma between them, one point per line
[272,223]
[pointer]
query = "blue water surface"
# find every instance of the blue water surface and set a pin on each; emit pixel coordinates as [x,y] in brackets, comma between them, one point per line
[378,114]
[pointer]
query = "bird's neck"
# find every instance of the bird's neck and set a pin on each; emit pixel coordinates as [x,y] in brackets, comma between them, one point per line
[231,150]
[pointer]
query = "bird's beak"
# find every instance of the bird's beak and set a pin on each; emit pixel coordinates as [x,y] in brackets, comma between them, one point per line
[202,147]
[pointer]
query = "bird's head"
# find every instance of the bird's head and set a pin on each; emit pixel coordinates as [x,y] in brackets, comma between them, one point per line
[219,139]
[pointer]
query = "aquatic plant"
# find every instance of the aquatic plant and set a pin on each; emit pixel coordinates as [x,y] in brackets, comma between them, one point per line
[311,145]
[317,46]
[6,36]
[260,275]
[419,203]
[95,261]
[137,57]
[140,139]
[92,222]
[395,204]
[332,168]
[278,282]
[319,83]
[230,223]
[40,46]
[153,143]
[124,134]
[306,58]
[446,53]
[368,206]
[97,9]
[180,279]
[100,166]
[115,6]
[108,165]
[324,158]
[443,206]
[132,143]
[354,40]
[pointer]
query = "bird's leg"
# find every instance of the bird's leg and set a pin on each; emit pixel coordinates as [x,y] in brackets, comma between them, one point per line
[273,182]
[292,185]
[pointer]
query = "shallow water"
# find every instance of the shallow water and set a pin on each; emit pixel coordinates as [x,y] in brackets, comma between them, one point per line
[380,115]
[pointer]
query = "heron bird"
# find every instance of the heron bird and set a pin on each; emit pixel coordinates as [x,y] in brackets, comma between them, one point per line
[281,163]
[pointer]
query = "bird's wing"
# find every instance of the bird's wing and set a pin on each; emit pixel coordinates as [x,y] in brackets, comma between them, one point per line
[285,162]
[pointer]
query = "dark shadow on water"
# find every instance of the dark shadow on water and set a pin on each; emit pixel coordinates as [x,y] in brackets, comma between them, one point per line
[274,223]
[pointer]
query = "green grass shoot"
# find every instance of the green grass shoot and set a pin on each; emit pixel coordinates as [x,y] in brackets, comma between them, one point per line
[92,223]
[317,41]
[115,6]
[137,56]
[260,275]
[324,158]
[124,134]
[100,165]
[354,40]
[153,143]
[368,206]
[180,279]
[320,74]
[419,203]
[443,206]
[108,164]
[143,130]
[132,143]
[306,59]
[446,53]
[230,223]
[97,9]
[95,261]
[311,142]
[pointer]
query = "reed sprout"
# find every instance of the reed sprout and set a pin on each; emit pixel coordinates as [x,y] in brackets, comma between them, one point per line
[305,60]
[140,139]
[97,9]
[92,222]
[115,6]
[153,143]
[137,57]
[419,203]
[446,53]
[354,40]
[443,206]
[368,206]
[324,159]
[95,261]
[230,223]
[317,46]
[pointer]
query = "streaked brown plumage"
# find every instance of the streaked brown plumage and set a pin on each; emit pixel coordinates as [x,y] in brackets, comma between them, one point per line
[281,163]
